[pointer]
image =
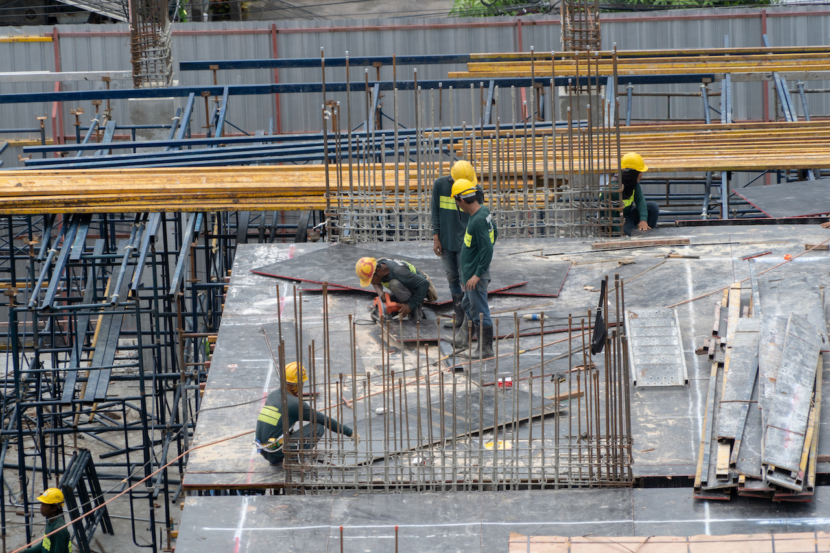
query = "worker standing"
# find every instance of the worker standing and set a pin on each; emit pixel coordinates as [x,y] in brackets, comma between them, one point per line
[51,507]
[448,225]
[637,212]
[407,285]
[476,254]
[269,426]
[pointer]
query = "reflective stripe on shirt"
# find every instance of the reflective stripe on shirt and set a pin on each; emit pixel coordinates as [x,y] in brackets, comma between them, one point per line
[47,543]
[628,202]
[468,239]
[270,415]
[446,202]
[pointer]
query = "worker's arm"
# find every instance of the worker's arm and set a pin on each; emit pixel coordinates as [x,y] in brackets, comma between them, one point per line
[640,200]
[328,422]
[435,205]
[36,548]
[485,247]
[60,541]
[378,289]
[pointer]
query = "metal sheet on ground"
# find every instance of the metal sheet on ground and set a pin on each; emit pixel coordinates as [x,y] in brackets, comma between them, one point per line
[656,347]
[793,199]
[787,423]
[474,521]
[435,419]
[335,265]
[773,331]
[740,379]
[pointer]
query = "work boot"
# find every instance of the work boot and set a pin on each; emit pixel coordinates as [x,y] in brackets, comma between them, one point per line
[486,343]
[459,312]
[462,336]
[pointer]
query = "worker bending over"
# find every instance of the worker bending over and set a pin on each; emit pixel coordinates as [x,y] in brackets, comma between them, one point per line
[476,254]
[448,225]
[269,425]
[51,507]
[638,213]
[407,285]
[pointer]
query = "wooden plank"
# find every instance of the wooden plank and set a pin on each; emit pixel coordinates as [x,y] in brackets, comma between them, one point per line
[734,312]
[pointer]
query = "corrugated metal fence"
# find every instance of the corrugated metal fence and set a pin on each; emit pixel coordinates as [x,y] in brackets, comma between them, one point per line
[100,48]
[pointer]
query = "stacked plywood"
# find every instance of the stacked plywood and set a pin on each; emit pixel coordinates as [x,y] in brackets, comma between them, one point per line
[760,432]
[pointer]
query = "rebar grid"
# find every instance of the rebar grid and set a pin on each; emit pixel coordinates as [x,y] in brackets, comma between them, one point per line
[378,194]
[442,423]
[580,25]
[151,51]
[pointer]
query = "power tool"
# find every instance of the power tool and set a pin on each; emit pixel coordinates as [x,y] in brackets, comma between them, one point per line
[384,307]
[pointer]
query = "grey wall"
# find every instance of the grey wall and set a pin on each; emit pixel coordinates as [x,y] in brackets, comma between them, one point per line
[108,49]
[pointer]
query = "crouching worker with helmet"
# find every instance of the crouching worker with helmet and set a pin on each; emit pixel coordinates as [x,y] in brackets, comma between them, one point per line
[269,425]
[637,212]
[51,507]
[476,254]
[408,287]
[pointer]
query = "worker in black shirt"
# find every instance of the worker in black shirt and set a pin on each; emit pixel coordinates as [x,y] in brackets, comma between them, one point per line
[448,225]
[51,507]
[269,426]
[407,285]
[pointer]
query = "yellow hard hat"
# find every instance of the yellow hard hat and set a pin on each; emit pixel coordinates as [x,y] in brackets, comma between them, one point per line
[463,169]
[52,496]
[463,187]
[365,269]
[634,161]
[291,373]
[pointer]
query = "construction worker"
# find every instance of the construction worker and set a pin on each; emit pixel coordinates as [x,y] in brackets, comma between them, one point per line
[476,254]
[448,225]
[638,213]
[269,426]
[407,285]
[51,507]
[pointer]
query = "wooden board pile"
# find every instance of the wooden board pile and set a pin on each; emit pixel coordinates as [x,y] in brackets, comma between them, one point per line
[646,62]
[760,431]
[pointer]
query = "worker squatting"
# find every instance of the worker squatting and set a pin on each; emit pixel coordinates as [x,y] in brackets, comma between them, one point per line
[463,236]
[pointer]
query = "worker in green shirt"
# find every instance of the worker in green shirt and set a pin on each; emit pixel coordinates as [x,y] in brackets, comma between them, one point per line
[51,507]
[476,254]
[637,212]
[269,425]
[448,225]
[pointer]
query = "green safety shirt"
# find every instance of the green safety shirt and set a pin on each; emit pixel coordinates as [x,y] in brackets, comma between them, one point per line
[636,200]
[448,220]
[477,251]
[269,423]
[415,280]
[56,543]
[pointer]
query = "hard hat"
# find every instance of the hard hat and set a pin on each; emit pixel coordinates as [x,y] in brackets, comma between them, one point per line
[463,169]
[365,269]
[633,161]
[463,188]
[52,496]
[291,373]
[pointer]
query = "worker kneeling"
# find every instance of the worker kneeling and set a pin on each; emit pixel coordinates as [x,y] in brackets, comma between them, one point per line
[476,254]
[269,425]
[408,287]
[638,213]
